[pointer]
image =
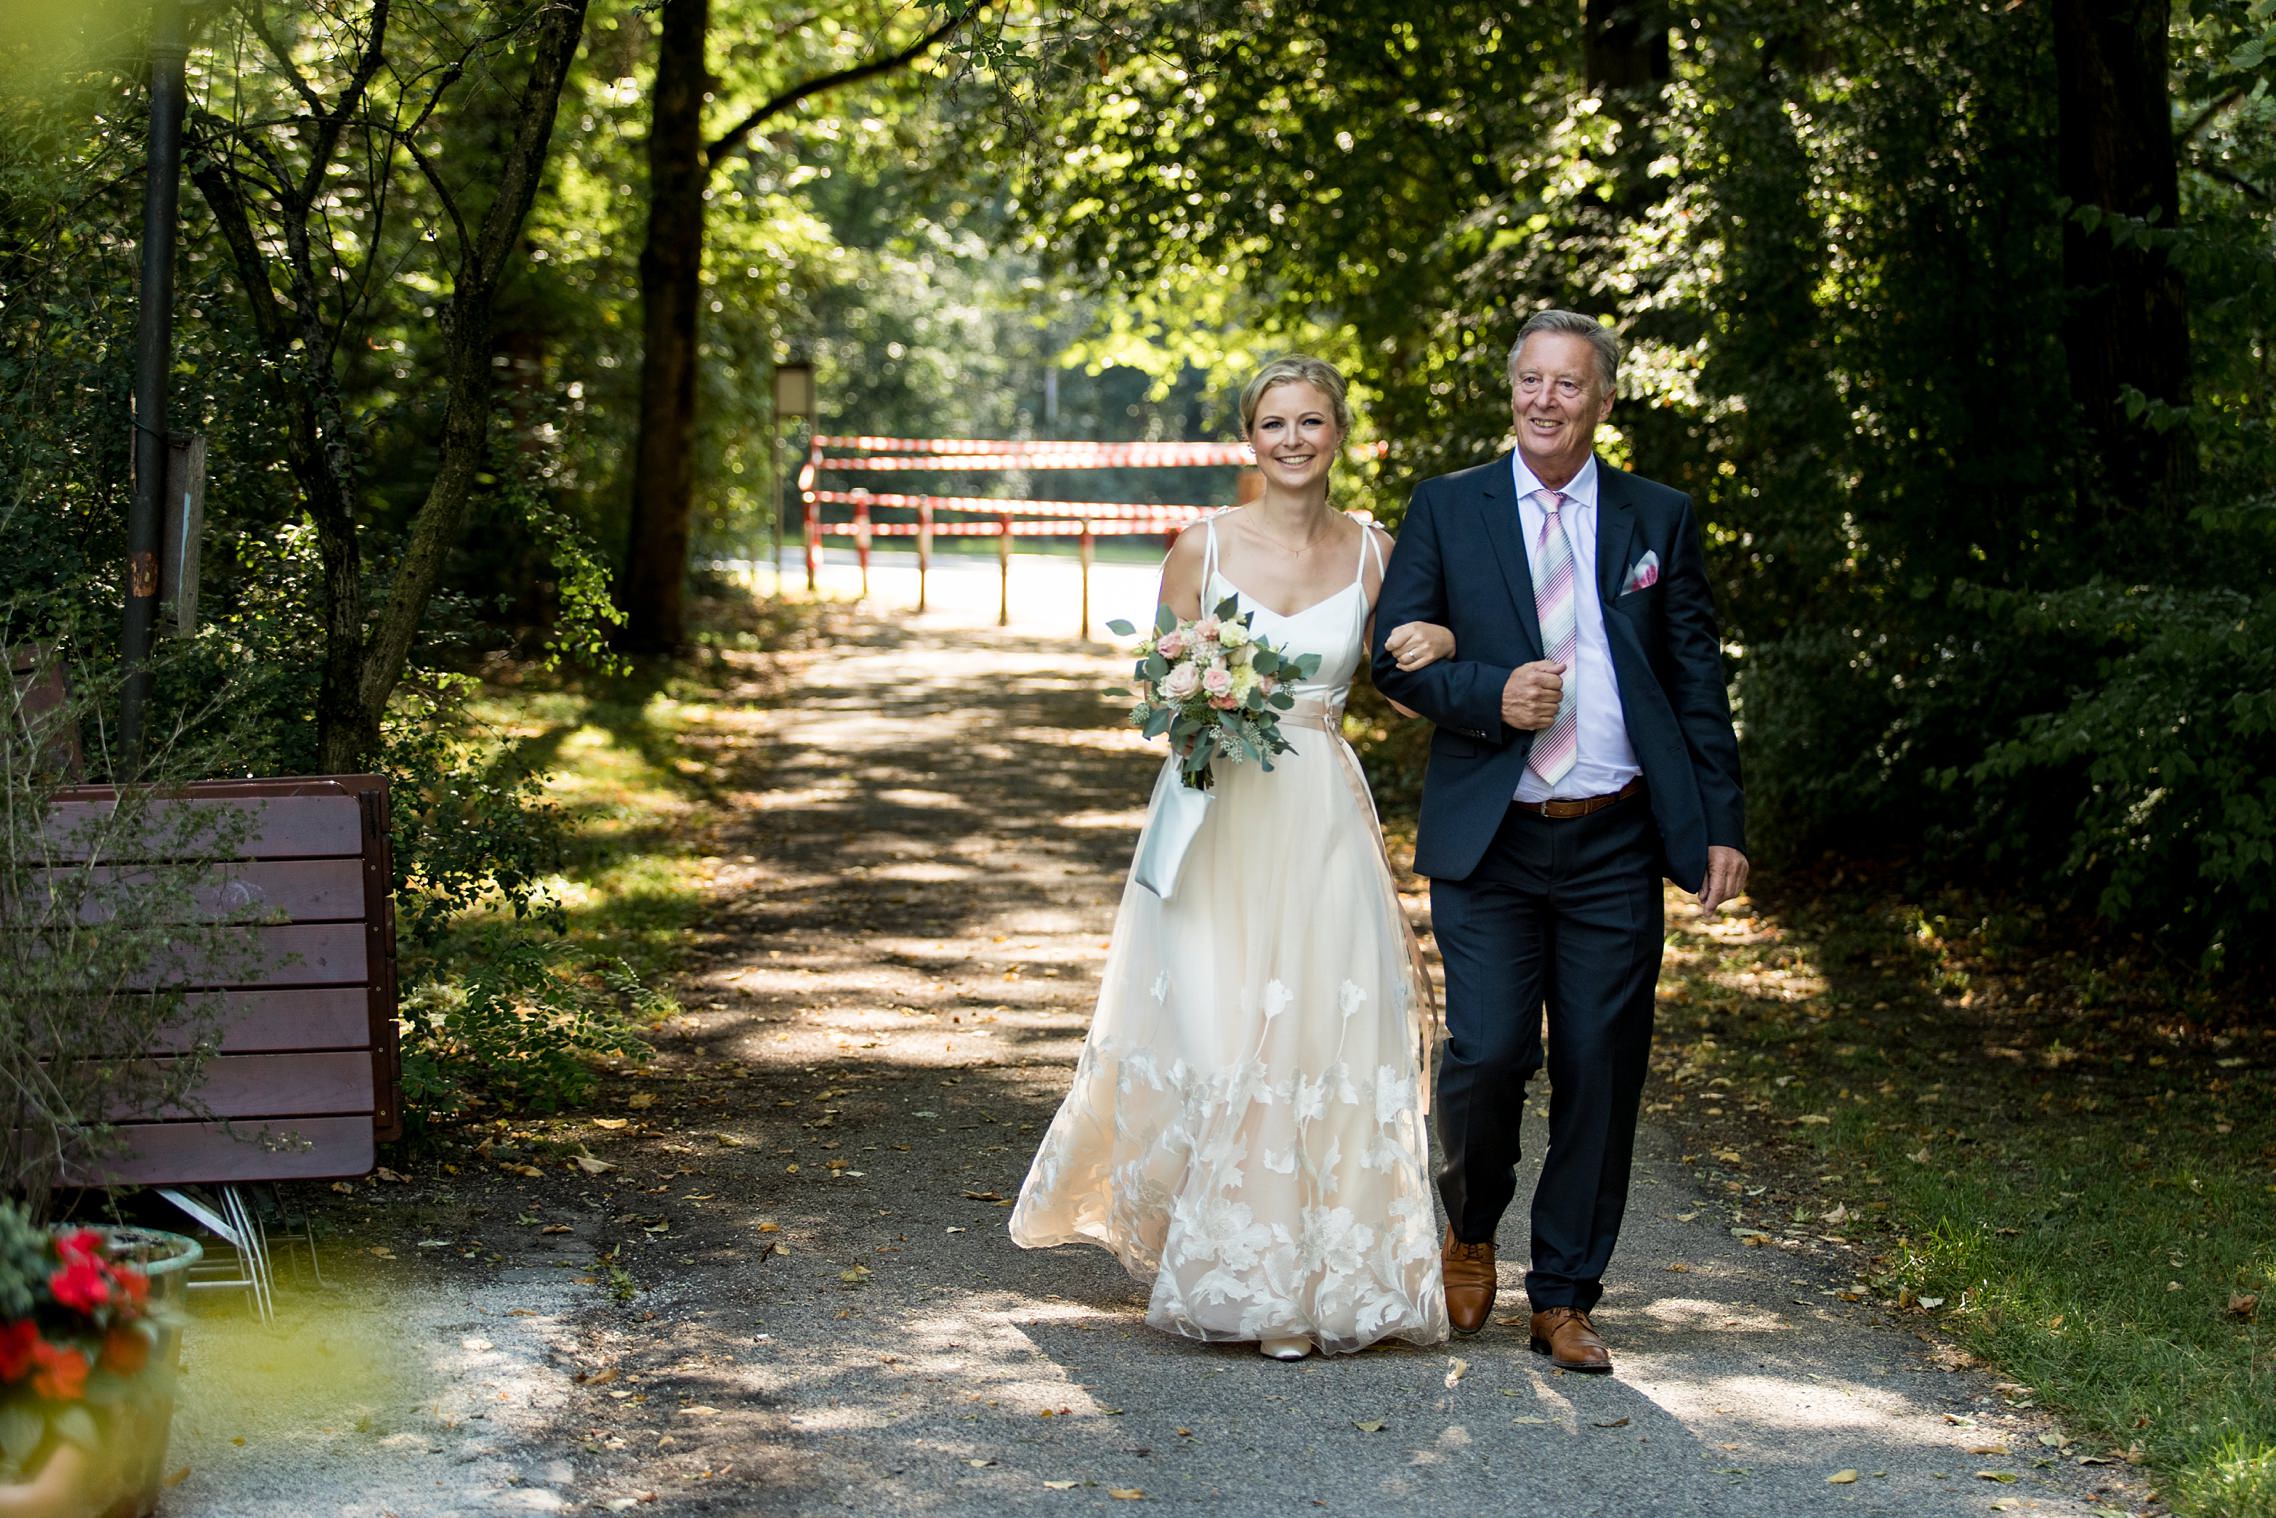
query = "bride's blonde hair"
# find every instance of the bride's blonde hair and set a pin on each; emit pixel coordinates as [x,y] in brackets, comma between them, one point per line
[1296,369]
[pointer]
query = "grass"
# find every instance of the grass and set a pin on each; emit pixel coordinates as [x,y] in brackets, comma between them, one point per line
[635,765]
[2065,1157]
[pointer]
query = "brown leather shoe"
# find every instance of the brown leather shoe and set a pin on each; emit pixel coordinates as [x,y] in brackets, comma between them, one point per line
[1570,1341]
[1468,1270]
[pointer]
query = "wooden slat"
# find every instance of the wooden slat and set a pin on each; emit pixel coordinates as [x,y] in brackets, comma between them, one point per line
[322,820]
[265,1086]
[315,954]
[191,1154]
[255,890]
[254,1022]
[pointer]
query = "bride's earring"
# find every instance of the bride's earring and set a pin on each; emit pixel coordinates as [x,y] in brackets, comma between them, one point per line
[1295,1347]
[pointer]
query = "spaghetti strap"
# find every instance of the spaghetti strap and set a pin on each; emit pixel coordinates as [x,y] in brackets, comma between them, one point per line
[1367,550]
[1208,557]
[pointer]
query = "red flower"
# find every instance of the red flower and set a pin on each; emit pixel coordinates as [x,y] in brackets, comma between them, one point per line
[82,1285]
[133,1285]
[62,1373]
[125,1350]
[16,1341]
[86,1244]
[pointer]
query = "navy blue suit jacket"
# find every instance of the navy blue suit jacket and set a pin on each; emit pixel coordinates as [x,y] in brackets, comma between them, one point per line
[1461,562]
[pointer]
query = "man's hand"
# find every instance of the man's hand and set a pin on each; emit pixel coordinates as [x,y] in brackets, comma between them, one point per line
[1531,697]
[1726,877]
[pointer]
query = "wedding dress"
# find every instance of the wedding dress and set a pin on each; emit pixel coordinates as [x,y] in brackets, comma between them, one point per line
[1245,1130]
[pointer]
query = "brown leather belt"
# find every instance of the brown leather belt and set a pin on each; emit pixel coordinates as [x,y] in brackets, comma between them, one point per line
[1581,807]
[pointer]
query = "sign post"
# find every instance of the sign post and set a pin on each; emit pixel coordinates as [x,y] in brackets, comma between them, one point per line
[793,396]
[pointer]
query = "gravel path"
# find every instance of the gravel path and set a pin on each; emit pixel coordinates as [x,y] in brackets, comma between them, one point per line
[823,1313]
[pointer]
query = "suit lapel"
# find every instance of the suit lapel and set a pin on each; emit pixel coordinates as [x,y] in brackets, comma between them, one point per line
[1496,505]
[1615,525]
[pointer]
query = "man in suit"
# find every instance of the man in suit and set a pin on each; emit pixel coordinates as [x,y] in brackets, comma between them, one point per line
[1584,749]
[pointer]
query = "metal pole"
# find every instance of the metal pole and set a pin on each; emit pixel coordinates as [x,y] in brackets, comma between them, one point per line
[1084,632]
[779,479]
[924,550]
[154,347]
[1004,569]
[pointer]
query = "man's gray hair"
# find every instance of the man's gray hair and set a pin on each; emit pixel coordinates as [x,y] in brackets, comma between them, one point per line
[1600,337]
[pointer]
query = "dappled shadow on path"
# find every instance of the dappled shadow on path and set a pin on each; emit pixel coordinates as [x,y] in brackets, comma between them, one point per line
[915,877]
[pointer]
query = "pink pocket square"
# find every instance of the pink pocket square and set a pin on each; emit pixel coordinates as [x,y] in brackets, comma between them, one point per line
[1645,575]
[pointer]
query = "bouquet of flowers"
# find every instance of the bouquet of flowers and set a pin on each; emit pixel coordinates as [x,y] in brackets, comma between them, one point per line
[1214,687]
[76,1333]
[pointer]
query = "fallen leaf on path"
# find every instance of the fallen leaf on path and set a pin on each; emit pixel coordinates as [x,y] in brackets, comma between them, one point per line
[1989,1449]
[1456,1369]
[729,1139]
[856,1276]
[592,1166]
[977,1464]
[2244,1305]
[381,1251]
[1513,1320]
[1841,1478]
[1371,1427]
[1930,1304]
[598,1377]
[1999,1476]
[386,1174]
[1060,1486]
[700,1410]
[983,1196]
[1127,1493]
[177,1478]
[2053,1441]
[2005,1504]
[1679,1267]
[1527,1418]
[612,1122]
[640,1100]
[1613,1423]
[1813,1117]
[557,1228]
[345,1188]
[770,1226]
[513,1169]
[1960,1420]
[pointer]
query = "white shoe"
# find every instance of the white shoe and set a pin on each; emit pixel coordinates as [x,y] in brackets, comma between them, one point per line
[1295,1347]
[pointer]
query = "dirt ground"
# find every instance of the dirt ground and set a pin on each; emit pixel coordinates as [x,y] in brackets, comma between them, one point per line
[790,1290]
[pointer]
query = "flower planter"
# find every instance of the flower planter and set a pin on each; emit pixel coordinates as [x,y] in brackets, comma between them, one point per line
[104,1442]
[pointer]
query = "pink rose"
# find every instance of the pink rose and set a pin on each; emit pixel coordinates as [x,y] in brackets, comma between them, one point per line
[1172,646]
[1180,683]
[1218,682]
[1223,703]
[1207,629]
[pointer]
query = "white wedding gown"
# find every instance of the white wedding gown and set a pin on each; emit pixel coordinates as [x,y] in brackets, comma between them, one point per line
[1245,1130]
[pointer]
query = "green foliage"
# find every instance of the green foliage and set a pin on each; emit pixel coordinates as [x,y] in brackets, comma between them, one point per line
[2167,741]
[522,1026]
[1833,244]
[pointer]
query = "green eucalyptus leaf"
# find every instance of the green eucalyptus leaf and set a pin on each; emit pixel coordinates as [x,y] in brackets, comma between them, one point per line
[78,1425]
[1122,627]
[1165,620]
[22,1427]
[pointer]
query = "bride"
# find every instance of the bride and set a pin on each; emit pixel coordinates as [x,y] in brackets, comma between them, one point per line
[1245,1130]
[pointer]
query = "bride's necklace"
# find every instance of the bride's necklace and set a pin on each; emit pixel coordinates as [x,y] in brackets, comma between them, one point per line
[1297,552]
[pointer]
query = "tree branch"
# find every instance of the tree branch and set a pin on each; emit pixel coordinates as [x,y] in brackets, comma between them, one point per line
[733,138]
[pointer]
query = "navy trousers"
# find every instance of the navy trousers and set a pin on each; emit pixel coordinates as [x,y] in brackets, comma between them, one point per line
[1563,916]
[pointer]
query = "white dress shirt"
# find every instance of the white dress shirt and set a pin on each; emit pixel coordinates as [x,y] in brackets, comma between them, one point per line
[1606,760]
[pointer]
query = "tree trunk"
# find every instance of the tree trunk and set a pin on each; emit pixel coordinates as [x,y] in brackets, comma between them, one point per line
[671,289]
[2127,322]
[1625,62]
[1626,47]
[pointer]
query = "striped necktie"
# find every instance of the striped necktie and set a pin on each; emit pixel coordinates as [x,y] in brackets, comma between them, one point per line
[1556,746]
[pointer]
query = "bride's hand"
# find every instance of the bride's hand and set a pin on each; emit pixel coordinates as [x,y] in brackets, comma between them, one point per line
[1413,645]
